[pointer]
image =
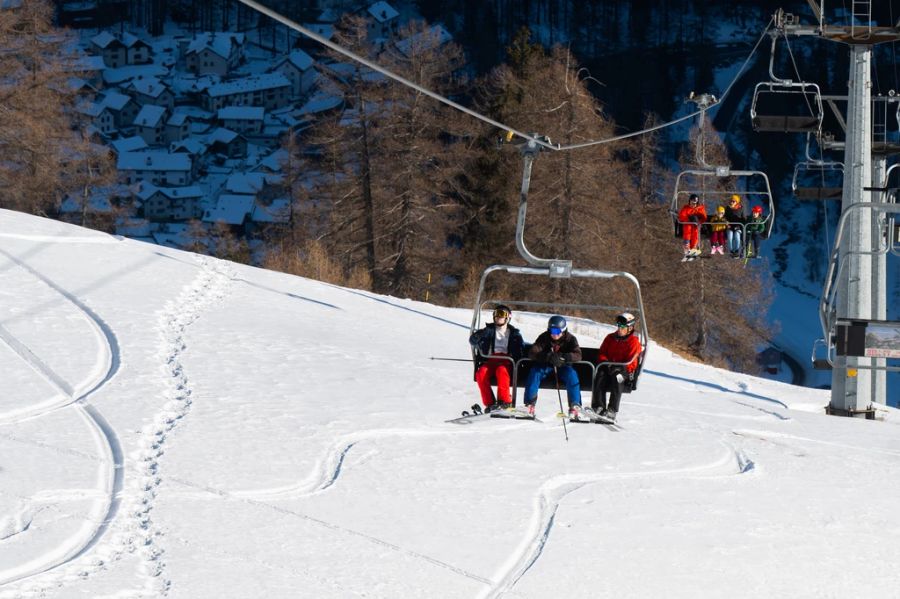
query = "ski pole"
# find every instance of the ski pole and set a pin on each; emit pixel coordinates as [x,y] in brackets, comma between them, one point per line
[451,359]
[559,395]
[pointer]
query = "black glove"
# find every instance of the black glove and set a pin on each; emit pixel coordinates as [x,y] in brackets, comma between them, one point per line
[556,359]
[694,218]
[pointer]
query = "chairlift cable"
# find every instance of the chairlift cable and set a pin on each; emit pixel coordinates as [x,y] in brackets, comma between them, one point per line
[797,73]
[541,142]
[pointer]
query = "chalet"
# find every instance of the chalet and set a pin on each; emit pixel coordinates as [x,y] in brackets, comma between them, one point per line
[178,127]
[261,186]
[191,146]
[247,120]
[121,50]
[100,116]
[271,90]
[157,167]
[383,21]
[231,209]
[227,143]
[110,48]
[122,107]
[166,204]
[137,50]
[214,53]
[150,124]
[151,90]
[297,67]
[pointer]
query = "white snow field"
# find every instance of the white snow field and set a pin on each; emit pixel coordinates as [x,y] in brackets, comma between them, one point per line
[173,425]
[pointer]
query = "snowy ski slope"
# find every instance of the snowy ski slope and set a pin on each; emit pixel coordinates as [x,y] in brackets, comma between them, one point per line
[172,425]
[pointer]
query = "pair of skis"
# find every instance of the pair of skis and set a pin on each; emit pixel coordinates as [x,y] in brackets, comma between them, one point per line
[591,417]
[475,412]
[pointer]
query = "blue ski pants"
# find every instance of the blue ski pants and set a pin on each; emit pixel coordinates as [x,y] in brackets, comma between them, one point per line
[567,377]
[734,240]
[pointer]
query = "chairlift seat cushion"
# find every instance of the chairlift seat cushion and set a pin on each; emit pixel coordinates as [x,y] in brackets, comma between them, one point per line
[786,124]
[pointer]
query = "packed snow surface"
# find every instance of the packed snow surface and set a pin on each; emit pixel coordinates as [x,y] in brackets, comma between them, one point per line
[178,426]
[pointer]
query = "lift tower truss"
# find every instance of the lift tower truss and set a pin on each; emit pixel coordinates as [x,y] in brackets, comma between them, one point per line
[860,294]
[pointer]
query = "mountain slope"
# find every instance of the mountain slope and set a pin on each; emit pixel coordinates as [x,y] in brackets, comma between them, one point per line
[173,425]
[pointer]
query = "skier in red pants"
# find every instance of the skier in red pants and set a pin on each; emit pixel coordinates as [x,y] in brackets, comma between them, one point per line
[691,216]
[503,340]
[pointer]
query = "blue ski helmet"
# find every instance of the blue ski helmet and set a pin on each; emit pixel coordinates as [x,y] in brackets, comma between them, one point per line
[556,325]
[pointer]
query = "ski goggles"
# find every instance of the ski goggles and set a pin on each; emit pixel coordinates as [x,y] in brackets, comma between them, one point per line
[501,313]
[555,331]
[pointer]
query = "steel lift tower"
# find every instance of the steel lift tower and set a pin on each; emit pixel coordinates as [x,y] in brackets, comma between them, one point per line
[860,286]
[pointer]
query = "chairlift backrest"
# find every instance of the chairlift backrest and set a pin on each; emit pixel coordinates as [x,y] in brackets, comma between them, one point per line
[818,180]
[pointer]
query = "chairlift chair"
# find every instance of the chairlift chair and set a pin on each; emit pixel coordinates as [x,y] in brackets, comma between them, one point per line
[705,183]
[818,180]
[786,106]
[599,314]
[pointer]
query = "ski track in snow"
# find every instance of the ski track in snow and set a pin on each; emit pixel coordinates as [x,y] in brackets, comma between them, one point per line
[553,491]
[108,355]
[138,534]
[105,439]
[326,471]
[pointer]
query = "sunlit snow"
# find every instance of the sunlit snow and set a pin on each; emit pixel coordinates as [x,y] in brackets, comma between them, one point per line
[174,425]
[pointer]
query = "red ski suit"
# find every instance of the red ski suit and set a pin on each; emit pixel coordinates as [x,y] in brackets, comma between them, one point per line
[616,348]
[690,231]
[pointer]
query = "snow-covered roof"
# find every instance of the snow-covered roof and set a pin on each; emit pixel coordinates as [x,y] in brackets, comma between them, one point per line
[222,135]
[130,40]
[153,161]
[320,101]
[249,183]
[123,74]
[219,43]
[230,209]
[322,29]
[177,119]
[104,39]
[299,59]
[279,211]
[173,193]
[247,113]
[185,83]
[383,12]
[129,144]
[249,84]
[149,86]
[191,145]
[275,161]
[114,100]
[435,35]
[150,116]
[91,109]
[194,112]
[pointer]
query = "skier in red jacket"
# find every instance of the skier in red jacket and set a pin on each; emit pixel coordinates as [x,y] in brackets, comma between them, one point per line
[691,216]
[618,359]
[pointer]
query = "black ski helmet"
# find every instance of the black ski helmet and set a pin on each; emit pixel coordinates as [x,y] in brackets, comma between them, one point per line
[556,322]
